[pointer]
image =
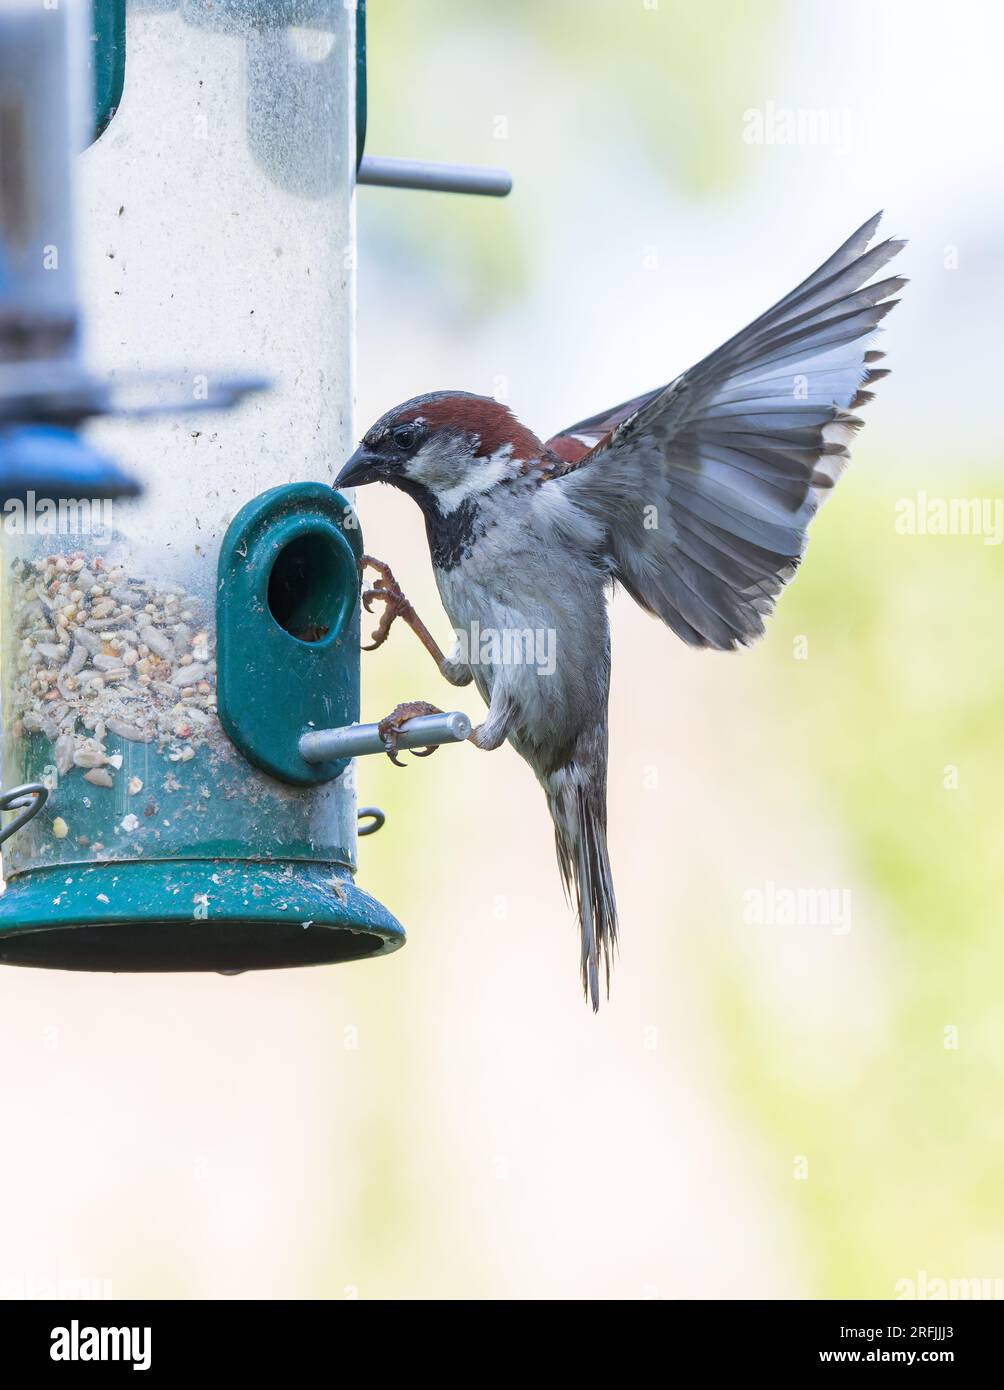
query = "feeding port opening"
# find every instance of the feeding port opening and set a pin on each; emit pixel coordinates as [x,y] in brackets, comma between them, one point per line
[307,589]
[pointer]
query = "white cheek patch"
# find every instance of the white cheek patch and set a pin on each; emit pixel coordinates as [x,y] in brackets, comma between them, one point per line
[452,475]
[435,467]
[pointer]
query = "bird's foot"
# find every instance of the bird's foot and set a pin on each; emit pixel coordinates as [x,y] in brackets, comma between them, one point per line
[388,591]
[390,727]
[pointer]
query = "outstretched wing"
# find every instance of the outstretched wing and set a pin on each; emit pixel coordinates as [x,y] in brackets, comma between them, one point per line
[705,487]
[575,442]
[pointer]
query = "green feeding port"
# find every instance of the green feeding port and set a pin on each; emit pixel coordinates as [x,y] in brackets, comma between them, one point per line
[108,55]
[287,615]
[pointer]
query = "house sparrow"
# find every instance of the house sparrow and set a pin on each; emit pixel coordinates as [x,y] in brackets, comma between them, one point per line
[695,497]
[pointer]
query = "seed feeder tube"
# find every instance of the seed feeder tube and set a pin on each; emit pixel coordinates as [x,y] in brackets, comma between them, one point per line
[164,666]
[215,223]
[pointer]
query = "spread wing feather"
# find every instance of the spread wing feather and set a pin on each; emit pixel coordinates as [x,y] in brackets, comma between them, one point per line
[705,487]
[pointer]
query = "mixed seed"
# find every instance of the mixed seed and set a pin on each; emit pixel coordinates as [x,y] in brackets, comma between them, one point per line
[100,652]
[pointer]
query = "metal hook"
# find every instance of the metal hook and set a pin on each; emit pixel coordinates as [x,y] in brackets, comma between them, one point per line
[370,813]
[17,796]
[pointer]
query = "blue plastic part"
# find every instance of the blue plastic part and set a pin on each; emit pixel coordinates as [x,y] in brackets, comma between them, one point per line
[51,461]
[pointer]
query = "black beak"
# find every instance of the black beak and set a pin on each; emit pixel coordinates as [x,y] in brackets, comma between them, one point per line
[361,468]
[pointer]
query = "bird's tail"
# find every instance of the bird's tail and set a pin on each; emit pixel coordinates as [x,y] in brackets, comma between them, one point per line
[576,799]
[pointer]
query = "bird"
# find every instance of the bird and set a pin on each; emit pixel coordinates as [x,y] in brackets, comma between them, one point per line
[694,497]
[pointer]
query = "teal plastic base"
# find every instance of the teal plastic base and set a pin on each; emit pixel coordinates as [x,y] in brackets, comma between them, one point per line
[191,914]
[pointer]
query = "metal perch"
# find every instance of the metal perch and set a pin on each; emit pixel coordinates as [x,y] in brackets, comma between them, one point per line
[380,172]
[354,740]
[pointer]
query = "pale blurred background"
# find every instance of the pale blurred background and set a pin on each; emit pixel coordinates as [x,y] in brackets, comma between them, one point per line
[762,1110]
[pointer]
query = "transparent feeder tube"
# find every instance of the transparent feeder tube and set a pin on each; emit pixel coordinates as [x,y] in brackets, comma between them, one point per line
[217,235]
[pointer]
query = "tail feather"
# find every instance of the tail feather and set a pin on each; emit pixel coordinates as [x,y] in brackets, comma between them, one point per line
[577,802]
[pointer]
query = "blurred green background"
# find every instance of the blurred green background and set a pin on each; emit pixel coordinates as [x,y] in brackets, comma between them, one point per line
[763,1109]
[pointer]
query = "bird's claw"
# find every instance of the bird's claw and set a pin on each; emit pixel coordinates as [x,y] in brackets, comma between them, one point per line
[389,592]
[390,728]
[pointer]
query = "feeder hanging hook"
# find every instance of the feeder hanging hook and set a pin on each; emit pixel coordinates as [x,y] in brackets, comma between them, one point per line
[18,796]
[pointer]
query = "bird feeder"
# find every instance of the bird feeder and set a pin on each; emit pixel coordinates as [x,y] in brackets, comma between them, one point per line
[184,680]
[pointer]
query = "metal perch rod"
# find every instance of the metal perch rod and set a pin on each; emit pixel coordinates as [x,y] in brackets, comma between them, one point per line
[436,178]
[354,740]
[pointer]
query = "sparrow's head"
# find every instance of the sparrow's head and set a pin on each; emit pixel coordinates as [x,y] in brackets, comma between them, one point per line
[443,449]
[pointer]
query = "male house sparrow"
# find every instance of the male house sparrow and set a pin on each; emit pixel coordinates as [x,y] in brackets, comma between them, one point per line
[695,497]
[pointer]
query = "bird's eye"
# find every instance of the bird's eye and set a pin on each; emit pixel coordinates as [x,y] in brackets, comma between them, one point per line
[404,436]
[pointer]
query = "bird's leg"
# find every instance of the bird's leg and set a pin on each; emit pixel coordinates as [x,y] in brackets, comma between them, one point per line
[494,730]
[390,727]
[388,591]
